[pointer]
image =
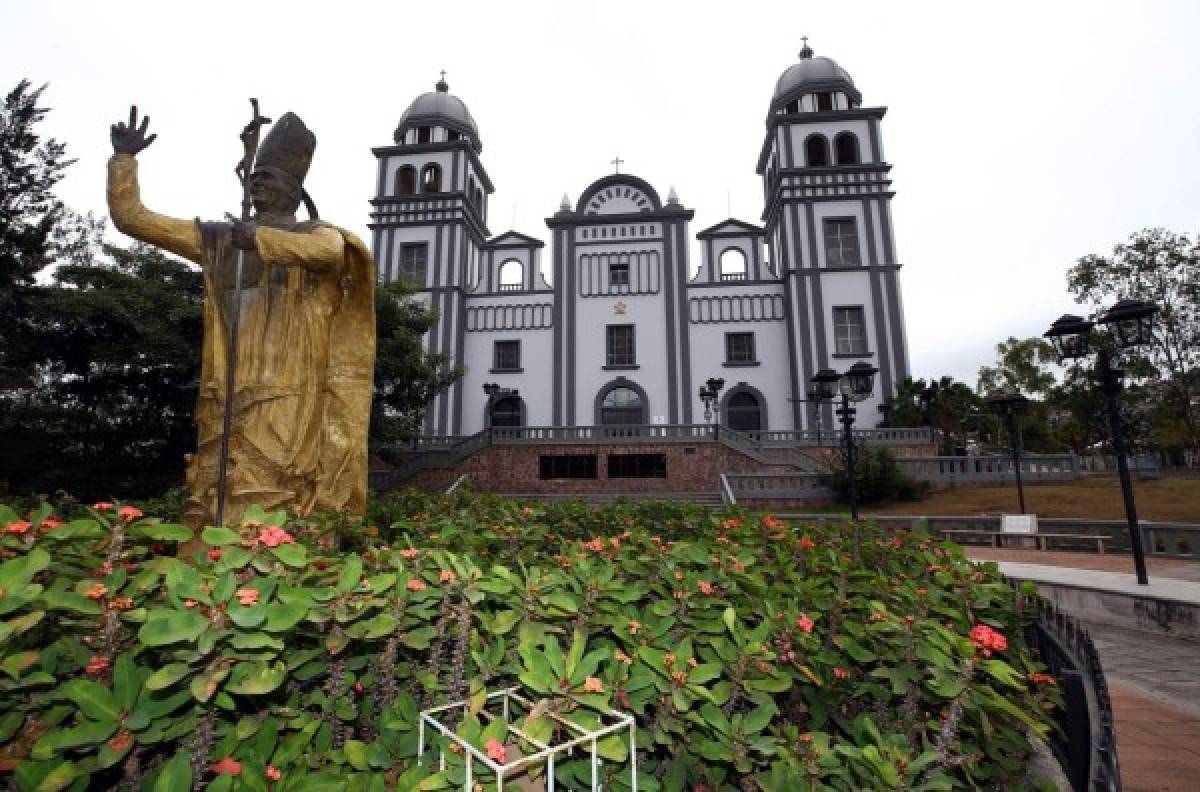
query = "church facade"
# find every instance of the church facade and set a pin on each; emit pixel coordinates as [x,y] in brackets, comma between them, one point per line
[626,328]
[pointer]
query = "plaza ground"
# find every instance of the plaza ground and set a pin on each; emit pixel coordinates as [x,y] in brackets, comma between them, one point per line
[1167,499]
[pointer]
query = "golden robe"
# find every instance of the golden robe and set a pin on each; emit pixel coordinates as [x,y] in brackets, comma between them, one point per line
[305,358]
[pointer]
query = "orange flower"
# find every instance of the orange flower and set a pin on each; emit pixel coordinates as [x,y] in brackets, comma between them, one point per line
[97,591]
[273,773]
[634,626]
[102,506]
[1042,679]
[772,524]
[680,677]
[273,536]
[805,543]
[496,750]
[98,664]
[120,742]
[669,660]
[120,603]
[623,658]
[18,527]
[214,555]
[731,524]
[129,513]
[409,552]
[706,587]
[840,672]
[593,685]
[446,576]
[189,603]
[247,596]
[50,523]
[692,662]
[227,766]
[804,623]
[987,639]
[415,585]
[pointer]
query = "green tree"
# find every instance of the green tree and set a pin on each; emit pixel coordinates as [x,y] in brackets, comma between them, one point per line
[407,377]
[115,347]
[1023,366]
[1161,267]
[944,404]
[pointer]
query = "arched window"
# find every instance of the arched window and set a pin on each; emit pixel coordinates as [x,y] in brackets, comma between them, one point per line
[431,179]
[506,411]
[733,265]
[406,180]
[744,412]
[471,189]
[512,275]
[816,151]
[845,149]
[622,406]
[424,134]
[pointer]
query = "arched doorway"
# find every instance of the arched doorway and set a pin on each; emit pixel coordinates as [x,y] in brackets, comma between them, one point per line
[621,403]
[745,409]
[507,411]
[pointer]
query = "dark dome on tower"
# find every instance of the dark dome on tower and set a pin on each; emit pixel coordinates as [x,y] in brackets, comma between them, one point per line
[813,74]
[440,108]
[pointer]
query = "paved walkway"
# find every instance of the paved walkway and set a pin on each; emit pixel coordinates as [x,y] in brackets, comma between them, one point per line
[1154,680]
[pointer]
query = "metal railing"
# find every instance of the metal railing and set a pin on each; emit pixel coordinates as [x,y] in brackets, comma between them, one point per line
[1085,742]
[833,437]
[727,496]
[973,469]
[780,486]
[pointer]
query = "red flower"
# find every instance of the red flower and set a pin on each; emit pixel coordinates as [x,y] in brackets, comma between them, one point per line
[446,576]
[840,672]
[706,587]
[987,640]
[98,664]
[593,685]
[273,536]
[273,773]
[129,513]
[97,591]
[227,766]
[120,742]
[247,596]
[358,687]
[409,553]
[415,585]
[806,544]
[18,527]
[804,623]
[1042,679]
[772,524]
[50,523]
[189,603]
[496,750]
[214,554]
[102,506]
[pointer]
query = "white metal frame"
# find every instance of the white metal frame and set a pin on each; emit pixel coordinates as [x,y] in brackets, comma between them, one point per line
[547,753]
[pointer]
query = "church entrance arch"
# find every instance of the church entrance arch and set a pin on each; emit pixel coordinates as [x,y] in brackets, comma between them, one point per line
[745,408]
[621,402]
[506,411]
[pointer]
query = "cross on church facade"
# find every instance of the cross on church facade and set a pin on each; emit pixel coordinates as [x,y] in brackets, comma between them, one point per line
[616,161]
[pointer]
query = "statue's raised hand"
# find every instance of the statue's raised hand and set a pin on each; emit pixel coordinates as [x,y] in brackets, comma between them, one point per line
[131,139]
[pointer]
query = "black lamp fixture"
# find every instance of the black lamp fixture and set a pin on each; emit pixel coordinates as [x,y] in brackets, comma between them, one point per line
[1126,325]
[854,386]
[1010,405]
[709,393]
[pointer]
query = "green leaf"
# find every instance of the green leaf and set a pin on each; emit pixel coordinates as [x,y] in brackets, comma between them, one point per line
[86,733]
[1003,673]
[255,640]
[293,555]
[420,638]
[285,615]
[69,601]
[758,718]
[95,700]
[206,684]
[247,615]
[504,621]
[167,675]
[165,627]
[176,775]
[164,532]
[78,529]
[254,679]
[351,574]
[126,681]
[705,672]
[216,537]
[356,754]
[59,778]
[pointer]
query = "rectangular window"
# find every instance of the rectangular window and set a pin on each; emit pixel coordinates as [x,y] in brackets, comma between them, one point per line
[619,346]
[507,355]
[841,242]
[637,465]
[424,134]
[849,331]
[618,272]
[567,466]
[824,101]
[739,348]
[413,261]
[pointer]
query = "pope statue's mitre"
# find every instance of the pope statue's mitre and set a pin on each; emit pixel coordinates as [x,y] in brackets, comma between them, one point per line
[288,147]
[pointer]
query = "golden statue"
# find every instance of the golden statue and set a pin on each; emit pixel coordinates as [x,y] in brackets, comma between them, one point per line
[292,305]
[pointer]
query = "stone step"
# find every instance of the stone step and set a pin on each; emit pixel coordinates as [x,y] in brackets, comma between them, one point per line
[712,500]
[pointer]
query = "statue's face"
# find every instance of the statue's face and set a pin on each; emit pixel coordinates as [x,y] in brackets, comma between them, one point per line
[271,193]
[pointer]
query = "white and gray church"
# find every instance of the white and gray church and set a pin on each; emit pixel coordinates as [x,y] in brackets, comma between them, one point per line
[625,330]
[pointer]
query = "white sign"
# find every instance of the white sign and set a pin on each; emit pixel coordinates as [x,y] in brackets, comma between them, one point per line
[1019,524]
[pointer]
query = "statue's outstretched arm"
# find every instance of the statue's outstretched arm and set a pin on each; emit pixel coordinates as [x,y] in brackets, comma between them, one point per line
[131,217]
[321,249]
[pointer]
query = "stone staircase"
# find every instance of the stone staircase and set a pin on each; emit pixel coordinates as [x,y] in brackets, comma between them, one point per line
[709,500]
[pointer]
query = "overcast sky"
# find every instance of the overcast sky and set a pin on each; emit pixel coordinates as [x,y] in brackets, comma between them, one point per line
[1023,134]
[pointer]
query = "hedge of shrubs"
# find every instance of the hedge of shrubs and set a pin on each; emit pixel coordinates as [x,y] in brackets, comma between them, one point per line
[296,654]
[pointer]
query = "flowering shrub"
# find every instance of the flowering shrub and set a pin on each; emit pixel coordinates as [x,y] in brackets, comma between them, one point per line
[755,654]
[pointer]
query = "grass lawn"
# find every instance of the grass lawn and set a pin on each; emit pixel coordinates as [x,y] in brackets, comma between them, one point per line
[1166,499]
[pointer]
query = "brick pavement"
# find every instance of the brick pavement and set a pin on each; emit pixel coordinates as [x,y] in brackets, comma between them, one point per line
[1158,745]
[1166,567]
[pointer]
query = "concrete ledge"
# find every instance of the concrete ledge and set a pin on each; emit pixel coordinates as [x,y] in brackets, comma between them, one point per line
[1164,607]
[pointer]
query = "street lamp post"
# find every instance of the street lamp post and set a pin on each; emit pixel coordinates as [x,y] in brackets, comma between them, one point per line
[1010,406]
[1128,325]
[709,393]
[853,386]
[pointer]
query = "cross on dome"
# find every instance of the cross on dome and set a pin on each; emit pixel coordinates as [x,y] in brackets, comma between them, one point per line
[806,51]
[616,161]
